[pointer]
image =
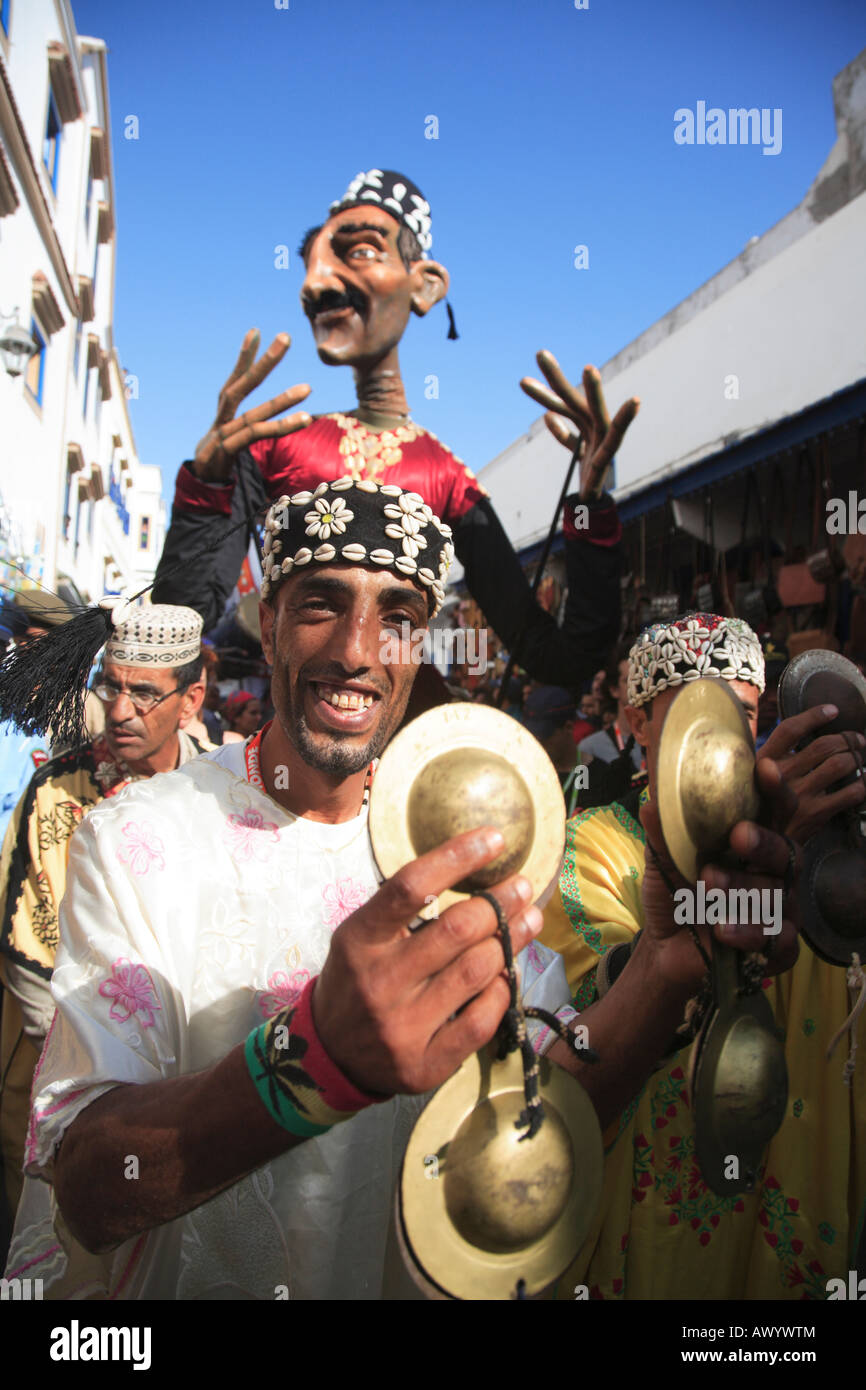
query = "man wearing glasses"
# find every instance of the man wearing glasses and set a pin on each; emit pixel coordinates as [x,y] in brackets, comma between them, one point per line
[151,686]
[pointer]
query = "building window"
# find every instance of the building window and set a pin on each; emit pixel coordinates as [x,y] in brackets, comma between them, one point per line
[88,206]
[76,360]
[51,146]
[35,375]
[144,534]
[67,498]
[97,410]
[5,7]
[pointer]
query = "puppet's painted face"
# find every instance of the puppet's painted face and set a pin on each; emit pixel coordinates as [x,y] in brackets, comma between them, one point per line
[357,291]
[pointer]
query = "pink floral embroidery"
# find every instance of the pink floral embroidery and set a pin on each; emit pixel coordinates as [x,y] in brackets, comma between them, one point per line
[143,849]
[341,900]
[283,990]
[131,988]
[250,836]
[533,958]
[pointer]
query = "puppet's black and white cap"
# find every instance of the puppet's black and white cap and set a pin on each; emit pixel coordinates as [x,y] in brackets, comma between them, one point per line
[158,635]
[349,522]
[397,195]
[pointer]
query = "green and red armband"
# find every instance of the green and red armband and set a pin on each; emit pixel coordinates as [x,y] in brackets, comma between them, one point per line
[303,1090]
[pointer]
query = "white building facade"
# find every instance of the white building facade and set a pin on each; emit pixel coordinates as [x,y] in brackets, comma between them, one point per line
[767,358]
[78,511]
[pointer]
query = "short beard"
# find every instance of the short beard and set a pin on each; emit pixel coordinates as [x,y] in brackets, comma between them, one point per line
[336,759]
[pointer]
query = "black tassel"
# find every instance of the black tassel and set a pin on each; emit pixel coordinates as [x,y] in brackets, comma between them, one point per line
[43,685]
[452,326]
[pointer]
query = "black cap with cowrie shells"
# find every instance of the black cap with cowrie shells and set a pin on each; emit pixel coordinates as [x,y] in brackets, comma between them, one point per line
[358,523]
[394,193]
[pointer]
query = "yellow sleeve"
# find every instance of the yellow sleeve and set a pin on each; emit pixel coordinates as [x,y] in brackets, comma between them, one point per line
[597,903]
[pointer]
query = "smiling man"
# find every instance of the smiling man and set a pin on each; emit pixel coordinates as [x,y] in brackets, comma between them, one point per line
[150,685]
[244,1017]
[367,270]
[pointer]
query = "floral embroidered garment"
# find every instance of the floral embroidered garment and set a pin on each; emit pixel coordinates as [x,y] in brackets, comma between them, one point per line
[196,908]
[660,1233]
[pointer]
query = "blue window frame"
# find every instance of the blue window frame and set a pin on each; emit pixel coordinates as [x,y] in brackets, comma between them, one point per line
[34,378]
[51,144]
[5,7]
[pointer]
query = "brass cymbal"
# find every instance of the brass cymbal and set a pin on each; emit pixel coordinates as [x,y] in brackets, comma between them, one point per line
[482,1210]
[833,893]
[458,767]
[738,1081]
[705,773]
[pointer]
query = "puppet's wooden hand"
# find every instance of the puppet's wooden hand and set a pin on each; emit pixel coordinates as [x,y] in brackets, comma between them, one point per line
[214,457]
[597,437]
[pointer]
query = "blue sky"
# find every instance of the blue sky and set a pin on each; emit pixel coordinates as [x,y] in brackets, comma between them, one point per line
[555,129]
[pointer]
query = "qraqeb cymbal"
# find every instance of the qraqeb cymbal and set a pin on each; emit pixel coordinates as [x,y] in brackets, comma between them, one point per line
[833,892]
[738,1082]
[705,773]
[483,1214]
[832,888]
[824,678]
[482,1211]
[458,767]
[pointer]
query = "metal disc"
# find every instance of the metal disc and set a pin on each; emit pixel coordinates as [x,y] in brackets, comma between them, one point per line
[818,678]
[738,1084]
[456,768]
[832,894]
[482,1209]
[705,773]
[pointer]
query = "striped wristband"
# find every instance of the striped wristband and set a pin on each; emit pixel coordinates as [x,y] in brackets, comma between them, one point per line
[302,1089]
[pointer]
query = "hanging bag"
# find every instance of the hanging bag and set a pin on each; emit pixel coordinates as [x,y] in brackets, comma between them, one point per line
[796,586]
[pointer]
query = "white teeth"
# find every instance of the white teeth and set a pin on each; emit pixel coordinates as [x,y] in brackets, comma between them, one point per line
[342,699]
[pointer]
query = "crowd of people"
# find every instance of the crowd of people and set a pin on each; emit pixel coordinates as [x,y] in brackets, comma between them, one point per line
[219,1024]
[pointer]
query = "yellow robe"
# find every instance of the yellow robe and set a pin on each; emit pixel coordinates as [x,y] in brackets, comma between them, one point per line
[660,1233]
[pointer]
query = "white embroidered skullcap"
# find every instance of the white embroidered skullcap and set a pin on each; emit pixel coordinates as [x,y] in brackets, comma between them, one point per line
[158,635]
[667,655]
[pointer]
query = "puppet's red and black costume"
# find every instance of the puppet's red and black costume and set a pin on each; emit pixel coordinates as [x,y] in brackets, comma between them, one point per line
[337,444]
